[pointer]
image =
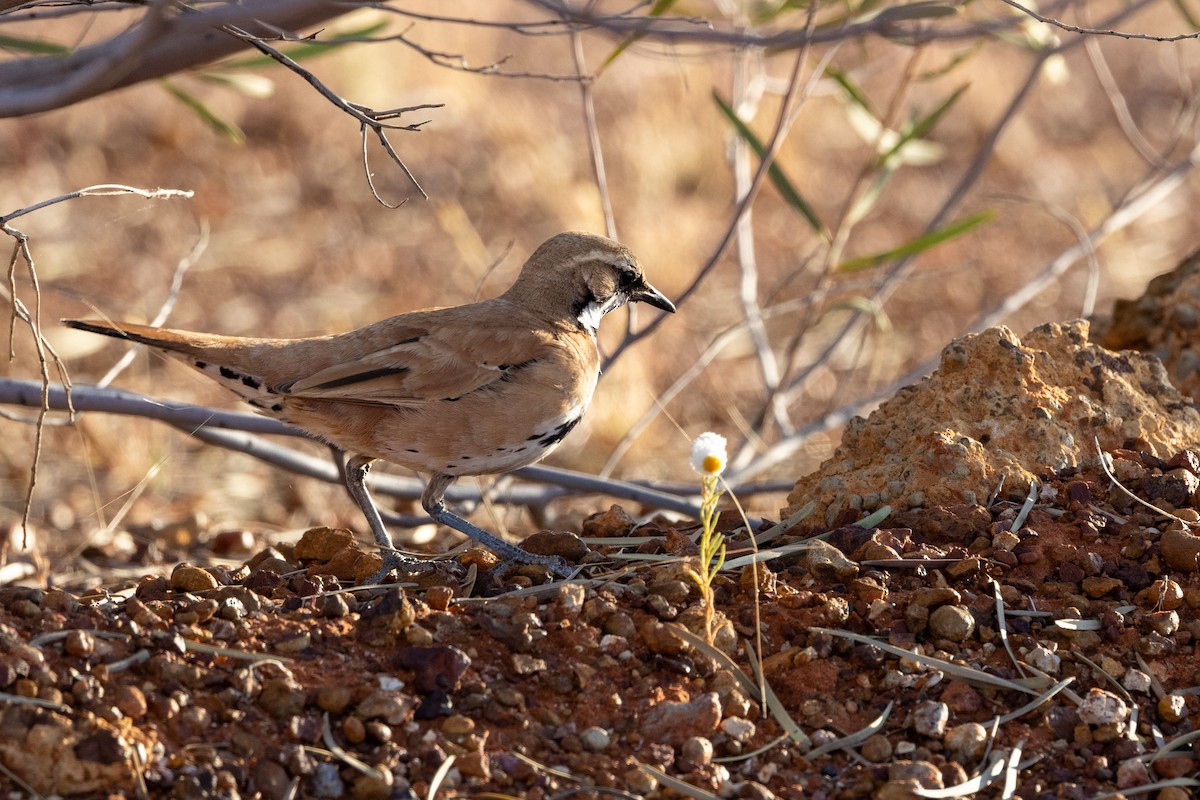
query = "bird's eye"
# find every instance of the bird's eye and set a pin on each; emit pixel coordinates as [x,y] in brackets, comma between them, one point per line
[626,278]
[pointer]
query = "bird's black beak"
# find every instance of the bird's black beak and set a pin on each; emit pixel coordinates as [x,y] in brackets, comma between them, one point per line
[648,294]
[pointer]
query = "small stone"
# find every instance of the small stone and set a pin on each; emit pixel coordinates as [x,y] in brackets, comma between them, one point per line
[392,707]
[951,622]
[291,645]
[271,779]
[929,718]
[130,701]
[322,544]
[1132,772]
[373,787]
[826,563]
[80,644]
[675,723]
[1005,541]
[1180,549]
[1136,681]
[1099,707]
[663,638]
[594,739]
[440,597]
[968,740]
[1173,766]
[1042,658]
[457,726]
[354,729]
[607,524]
[327,782]
[698,750]
[738,729]
[1164,623]
[282,697]
[474,765]
[877,748]
[1098,586]
[556,543]
[1172,708]
[334,699]
[187,578]
[1163,594]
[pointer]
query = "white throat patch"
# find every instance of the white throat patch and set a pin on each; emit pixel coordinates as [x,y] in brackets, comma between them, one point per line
[593,312]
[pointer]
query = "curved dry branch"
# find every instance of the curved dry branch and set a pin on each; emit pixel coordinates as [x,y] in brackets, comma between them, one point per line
[162,42]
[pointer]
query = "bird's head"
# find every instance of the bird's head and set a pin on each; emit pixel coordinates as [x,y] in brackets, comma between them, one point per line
[584,276]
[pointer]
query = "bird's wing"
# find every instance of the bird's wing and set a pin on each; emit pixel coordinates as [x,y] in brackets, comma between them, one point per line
[442,362]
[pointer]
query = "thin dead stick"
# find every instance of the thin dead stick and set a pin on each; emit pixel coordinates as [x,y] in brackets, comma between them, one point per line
[377,121]
[168,304]
[45,351]
[1099,31]
[593,134]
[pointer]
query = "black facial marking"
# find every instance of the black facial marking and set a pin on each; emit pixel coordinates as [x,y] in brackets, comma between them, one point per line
[277,407]
[410,450]
[371,374]
[559,433]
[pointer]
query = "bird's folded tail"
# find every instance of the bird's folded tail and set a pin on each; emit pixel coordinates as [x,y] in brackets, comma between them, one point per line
[142,334]
[206,352]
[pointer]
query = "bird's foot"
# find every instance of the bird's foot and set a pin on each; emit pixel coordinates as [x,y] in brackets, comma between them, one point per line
[402,564]
[516,558]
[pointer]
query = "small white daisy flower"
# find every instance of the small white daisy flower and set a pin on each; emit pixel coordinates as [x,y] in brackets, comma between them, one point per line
[708,454]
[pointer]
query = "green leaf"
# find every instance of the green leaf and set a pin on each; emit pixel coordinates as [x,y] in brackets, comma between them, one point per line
[922,10]
[853,93]
[659,8]
[919,244]
[924,125]
[309,48]
[206,114]
[775,172]
[37,46]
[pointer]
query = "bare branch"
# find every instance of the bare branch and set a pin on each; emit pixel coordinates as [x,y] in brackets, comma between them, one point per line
[1100,31]
[230,429]
[160,43]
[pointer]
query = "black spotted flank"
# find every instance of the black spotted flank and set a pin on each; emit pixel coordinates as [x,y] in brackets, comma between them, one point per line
[559,433]
[253,383]
[201,364]
[277,407]
[226,372]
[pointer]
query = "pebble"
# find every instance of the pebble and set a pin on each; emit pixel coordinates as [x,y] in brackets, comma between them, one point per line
[130,701]
[391,707]
[327,782]
[1136,681]
[968,740]
[373,787]
[1132,772]
[1042,658]
[321,544]
[595,739]
[1099,707]
[674,723]
[929,718]
[1172,708]
[877,748]
[738,729]
[951,622]
[80,644]
[187,578]
[698,750]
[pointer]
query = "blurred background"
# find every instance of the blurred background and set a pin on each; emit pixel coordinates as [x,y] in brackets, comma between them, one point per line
[1006,137]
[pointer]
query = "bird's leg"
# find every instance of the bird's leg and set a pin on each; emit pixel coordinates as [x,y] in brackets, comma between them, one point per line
[356,474]
[434,503]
